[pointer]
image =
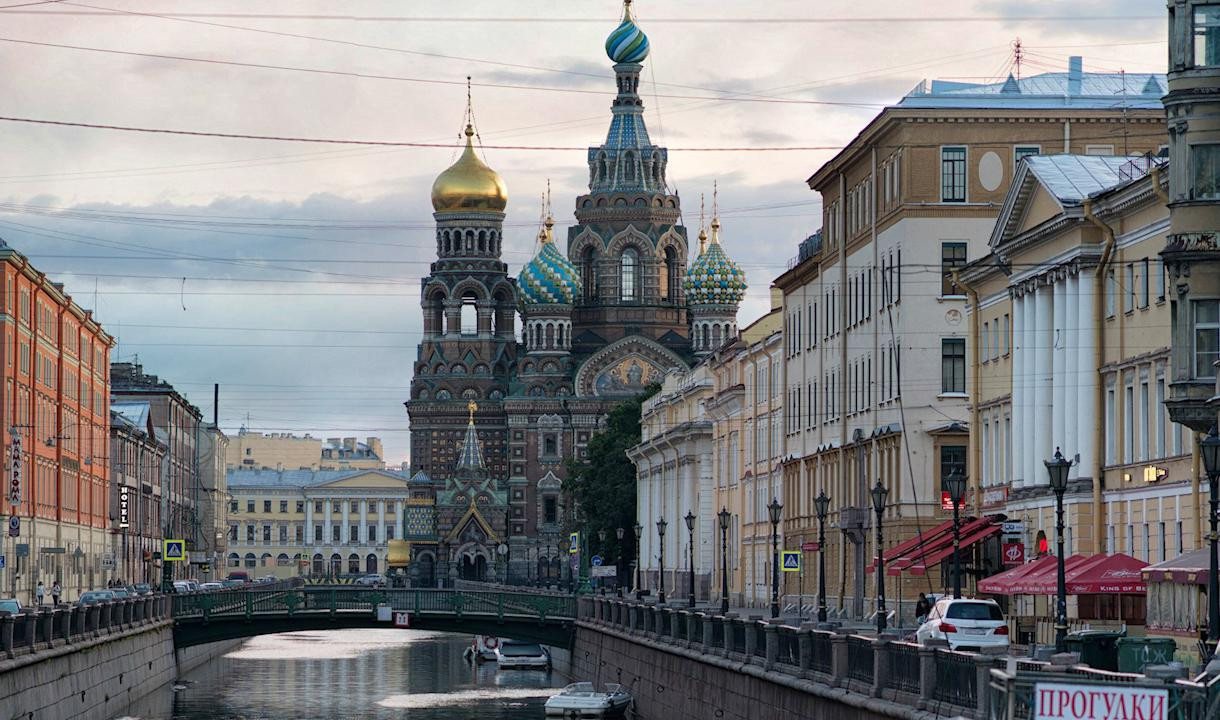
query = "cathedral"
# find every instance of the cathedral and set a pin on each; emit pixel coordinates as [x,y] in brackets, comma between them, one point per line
[497,413]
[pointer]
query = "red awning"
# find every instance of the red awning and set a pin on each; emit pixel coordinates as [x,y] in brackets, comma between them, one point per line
[1032,583]
[1002,583]
[1192,568]
[926,549]
[1096,575]
[919,565]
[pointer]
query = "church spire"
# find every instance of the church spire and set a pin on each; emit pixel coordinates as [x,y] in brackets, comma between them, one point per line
[471,457]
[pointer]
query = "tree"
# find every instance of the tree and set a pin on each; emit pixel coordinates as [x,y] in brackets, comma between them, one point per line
[603,485]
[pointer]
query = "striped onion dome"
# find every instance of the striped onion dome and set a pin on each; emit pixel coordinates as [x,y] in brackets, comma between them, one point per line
[714,279]
[627,44]
[549,278]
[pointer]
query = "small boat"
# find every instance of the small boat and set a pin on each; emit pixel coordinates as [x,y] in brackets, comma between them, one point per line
[581,700]
[514,655]
[482,649]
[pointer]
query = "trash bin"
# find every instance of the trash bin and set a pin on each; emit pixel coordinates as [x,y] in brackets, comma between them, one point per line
[1136,653]
[1097,648]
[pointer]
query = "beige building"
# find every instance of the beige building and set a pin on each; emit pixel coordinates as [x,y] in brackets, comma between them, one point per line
[674,464]
[209,556]
[328,522]
[285,451]
[746,410]
[876,360]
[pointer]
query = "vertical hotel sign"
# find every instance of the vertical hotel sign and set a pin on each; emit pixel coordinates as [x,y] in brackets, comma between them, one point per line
[124,507]
[14,478]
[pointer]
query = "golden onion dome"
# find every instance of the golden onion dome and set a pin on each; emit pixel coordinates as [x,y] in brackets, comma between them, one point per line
[469,185]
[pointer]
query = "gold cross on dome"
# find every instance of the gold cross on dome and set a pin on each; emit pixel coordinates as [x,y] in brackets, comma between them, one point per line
[472,406]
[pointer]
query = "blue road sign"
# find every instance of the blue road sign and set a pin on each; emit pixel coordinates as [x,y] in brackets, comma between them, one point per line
[792,561]
[3,562]
[596,560]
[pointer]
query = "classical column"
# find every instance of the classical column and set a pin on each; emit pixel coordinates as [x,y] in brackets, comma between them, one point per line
[346,520]
[707,523]
[1030,351]
[1059,368]
[308,533]
[1044,343]
[381,522]
[1018,384]
[1071,373]
[1087,383]
[362,529]
[327,523]
[400,509]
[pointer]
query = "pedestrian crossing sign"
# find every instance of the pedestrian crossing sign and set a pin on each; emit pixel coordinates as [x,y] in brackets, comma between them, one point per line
[175,550]
[792,561]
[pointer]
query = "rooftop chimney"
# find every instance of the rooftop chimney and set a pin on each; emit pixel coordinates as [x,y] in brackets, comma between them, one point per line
[1075,74]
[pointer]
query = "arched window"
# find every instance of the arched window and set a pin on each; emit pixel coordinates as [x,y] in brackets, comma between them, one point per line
[353,564]
[628,285]
[673,281]
[318,565]
[470,316]
[548,445]
[370,564]
[251,561]
[588,273]
[628,168]
[336,564]
[234,560]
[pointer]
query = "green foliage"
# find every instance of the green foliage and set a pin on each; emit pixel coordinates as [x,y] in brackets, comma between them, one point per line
[603,485]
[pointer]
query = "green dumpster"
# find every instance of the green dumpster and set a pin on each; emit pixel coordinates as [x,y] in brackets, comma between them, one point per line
[1135,653]
[1098,648]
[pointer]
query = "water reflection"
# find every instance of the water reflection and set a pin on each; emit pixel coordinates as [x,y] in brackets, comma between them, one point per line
[353,674]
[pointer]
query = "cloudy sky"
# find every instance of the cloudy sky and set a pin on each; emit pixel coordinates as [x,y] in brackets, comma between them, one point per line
[289,272]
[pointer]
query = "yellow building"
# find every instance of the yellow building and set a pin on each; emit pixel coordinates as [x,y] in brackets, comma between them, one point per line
[285,451]
[329,522]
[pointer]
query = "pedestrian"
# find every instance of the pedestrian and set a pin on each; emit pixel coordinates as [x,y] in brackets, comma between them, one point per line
[56,591]
[922,608]
[40,594]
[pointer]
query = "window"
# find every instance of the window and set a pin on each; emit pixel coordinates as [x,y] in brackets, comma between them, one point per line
[372,533]
[1128,423]
[317,533]
[353,534]
[1024,151]
[247,452]
[1207,337]
[952,457]
[1144,283]
[1130,287]
[1111,293]
[283,506]
[300,506]
[1098,149]
[550,510]
[249,506]
[249,534]
[1161,412]
[1111,427]
[1160,280]
[953,365]
[300,533]
[389,532]
[630,270]
[1205,167]
[232,506]
[334,507]
[588,273]
[266,533]
[1006,335]
[953,174]
[952,256]
[283,533]
[986,355]
[266,506]
[389,507]
[1143,422]
[334,533]
[1207,35]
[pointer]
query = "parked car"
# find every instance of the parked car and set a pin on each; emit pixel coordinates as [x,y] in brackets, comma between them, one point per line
[231,583]
[211,586]
[142,588]
[965,624]
[512,654]
[10,605]
[120,593]
[266,579]
[182,586]
[95,596]
[370,581]
[239,575]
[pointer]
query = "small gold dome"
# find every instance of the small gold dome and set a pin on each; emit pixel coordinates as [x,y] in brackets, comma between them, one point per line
[469,184]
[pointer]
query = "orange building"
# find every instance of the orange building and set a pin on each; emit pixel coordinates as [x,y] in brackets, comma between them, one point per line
[55,421]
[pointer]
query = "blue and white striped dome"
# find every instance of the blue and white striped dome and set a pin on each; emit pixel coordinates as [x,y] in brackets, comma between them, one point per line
[714,279]
[627,44]
[549,278]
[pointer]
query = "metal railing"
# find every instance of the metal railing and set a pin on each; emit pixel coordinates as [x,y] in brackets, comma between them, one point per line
[822,657]
[860,662]
[956,678]
[39,629]
[903,672]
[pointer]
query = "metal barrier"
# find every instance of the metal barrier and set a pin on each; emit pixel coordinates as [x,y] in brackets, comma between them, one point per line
[860,661]
[956,679]
[903,672]
[44,628]
[822,656]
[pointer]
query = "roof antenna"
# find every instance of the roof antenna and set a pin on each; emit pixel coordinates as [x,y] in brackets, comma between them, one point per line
[1017,55]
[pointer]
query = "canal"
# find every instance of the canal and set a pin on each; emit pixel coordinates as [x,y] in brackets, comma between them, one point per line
[357,674]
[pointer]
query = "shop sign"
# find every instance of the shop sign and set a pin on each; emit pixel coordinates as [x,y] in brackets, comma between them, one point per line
[14,476]
[1014,553]
[124,507]
[1063,701]
[993,496]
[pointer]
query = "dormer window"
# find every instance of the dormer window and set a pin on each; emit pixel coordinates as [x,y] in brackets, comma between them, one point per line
[1207,35]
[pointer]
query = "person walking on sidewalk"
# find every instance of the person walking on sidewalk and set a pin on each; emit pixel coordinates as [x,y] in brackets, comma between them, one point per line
[40,594]
[56,591]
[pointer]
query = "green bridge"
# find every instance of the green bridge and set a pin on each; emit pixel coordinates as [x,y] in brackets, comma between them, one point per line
[200,618]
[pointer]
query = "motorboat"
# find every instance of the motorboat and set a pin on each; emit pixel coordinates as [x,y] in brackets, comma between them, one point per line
[582,700]
[482,649]
[514,655]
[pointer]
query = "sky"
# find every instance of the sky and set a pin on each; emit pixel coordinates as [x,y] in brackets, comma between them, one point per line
[288,272]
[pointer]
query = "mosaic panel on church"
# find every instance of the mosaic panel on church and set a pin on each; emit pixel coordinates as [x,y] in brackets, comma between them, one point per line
[628,376]
[419,522]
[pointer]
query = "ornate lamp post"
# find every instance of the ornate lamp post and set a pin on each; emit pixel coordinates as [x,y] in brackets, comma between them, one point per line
[661,534]
[619,533]
[1057,467]
[879,494]
[724,516]
[564,544]
[1209,448]
[690,527]
[639,533]
[955,485]
[822,504]
[775,509]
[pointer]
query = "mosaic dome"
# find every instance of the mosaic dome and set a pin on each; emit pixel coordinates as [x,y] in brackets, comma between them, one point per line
[714,279]
[549,278]
[627,44]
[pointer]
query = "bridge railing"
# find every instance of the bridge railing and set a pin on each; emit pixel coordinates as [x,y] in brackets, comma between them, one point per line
[40,629]
[937,679]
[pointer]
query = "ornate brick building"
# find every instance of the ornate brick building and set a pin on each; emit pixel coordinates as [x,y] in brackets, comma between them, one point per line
[600,323]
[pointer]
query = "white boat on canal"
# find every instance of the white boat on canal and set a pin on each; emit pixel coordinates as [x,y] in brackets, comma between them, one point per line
[582,700]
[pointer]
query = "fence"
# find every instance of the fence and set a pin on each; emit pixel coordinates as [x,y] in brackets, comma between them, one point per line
[1011,696]
[38,629]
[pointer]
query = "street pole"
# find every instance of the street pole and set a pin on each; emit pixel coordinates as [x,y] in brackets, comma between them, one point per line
[690,527]
[639,531]
[1057,467]
[957,549]
[774,508]
[661,534]
[1210,450]
[879,494]
[822,505]
[724,517]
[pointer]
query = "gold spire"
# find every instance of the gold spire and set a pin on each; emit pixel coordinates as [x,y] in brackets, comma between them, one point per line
[702,230]
[469,184]
[550,220]
[627,11]
[715,213]
[472,406]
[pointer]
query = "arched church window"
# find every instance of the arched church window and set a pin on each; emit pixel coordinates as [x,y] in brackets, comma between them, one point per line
[628,168]
[673,279]
[629,283]
[549,445]
[588,272]
[601,168]
[470,316]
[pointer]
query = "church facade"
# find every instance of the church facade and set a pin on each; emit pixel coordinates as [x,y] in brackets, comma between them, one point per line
[497,413]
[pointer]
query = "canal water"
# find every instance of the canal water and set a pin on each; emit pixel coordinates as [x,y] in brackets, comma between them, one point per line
[356,674]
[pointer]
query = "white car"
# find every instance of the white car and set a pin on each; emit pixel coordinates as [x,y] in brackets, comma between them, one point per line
[513,655]
[967,624]
[212,586]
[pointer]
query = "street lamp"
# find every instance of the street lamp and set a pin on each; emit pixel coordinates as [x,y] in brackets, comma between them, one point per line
[1209,448]
[564,544]
[1057,467]
[822,504]
[955,485]
[661,534]
[879,494]
[774,509]
[690,526]
[619,533]
[639,533]
[724,516]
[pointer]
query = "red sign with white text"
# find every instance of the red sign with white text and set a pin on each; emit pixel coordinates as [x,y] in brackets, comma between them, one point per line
[1014,553]
[1062,701]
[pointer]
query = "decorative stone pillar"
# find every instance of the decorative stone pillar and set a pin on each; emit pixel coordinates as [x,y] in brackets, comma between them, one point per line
[881,664]
[838,659]
[7,626]
[771,632]
[729,622]
[751,636]
[804,642]
[927,677]
[708,629]
[64,616]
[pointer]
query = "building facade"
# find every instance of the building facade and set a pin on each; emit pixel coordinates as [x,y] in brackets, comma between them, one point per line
[55,417]
[137,457]
[321,523]
[876,350]
[213,502]
[601,321]
[285,451]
